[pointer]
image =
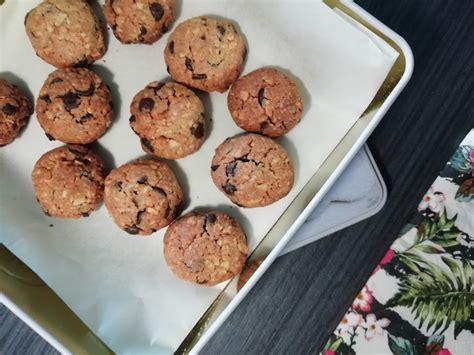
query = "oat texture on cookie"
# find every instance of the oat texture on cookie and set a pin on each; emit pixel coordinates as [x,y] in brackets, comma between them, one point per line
[65,33]
[205,247]
[139,21]
[15,108]
[169,119]
[252,170]
[69,181]
[205,53]
[74,106]
[143,196]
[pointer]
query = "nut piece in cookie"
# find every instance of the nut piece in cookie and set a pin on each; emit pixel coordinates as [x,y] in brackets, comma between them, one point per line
[139,21]
[74,106]
[65,33]
[143,196]
[265,101]
[69,181]
[205,248]
[15,108]
[169,119]
[205,53]
[252,170]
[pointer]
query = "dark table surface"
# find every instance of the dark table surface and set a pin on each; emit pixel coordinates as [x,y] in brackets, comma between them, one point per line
[298,303]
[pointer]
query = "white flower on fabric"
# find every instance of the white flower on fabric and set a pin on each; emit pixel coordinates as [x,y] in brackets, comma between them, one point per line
[373,326]
[433,200]
[347,326]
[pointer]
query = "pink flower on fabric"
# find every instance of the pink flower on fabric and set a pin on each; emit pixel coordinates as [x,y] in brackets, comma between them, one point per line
[346,327]
[329,352]
[364,300]
[385,260]
[471,158]
[374,326]
[443,351]
[433,200]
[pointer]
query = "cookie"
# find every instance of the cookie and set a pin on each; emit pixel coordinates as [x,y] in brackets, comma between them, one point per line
[143,196]
[65,33]
[169,119]
[265,101]
[205,248]
[247,272]
[205,53]
[139,21]
[252,170]
[74,106]
[15,108]
[69,181]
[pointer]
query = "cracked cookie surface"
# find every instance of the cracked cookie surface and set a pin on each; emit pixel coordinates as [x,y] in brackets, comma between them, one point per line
[65,33]
[15,108]
[143,196]
[265,101]
[139,21]
[205,248]
[69,181]
[252,170]
[74,106]
[205,53]
[169,119]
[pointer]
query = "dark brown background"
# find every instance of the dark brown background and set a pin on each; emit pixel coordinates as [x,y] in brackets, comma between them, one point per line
[300,300]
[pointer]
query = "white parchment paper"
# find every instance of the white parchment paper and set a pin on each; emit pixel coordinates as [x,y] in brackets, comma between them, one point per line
[118,284]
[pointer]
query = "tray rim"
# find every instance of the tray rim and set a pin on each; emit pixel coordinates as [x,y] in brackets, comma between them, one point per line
[209,327]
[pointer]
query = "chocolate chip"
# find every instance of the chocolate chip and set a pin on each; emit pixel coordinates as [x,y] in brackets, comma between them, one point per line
[147,144]
[198,131]
[46,98]
[50,137]
[77,152]
[118,185]
[211,218]
[199,76]
[47,213]
[88,92]
[9,109]
[143,180]
[261,96]
[56,80]
[221,29]
[230,168]
[140,216]
[132,119]
[189,63]
[84,118]
[84,214]
[159,190]
[229,188]
[214,167]
[71,101]
[143,30]
[157,88]
[132,230]
[263,125]
[157,11]
[171,47]
[146,103]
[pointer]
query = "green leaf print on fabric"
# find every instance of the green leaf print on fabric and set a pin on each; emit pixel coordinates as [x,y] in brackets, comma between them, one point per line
[460,161]
[437,296]
[400,346]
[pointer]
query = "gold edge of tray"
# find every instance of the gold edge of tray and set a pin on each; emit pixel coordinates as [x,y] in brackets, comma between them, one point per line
[312,187]
[21,285]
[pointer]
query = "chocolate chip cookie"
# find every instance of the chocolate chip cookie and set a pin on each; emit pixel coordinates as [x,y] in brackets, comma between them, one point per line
[265,101]
[139,21]
[252,170]
[15,108]
[205,53]
[74,106]
[143,196]
[169,119]
[69,181]
[205,248]
[65,33]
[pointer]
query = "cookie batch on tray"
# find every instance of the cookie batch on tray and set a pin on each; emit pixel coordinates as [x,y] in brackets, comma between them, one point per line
[75,106]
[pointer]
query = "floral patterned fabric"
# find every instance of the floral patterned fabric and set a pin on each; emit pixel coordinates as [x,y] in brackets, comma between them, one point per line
[420,298]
